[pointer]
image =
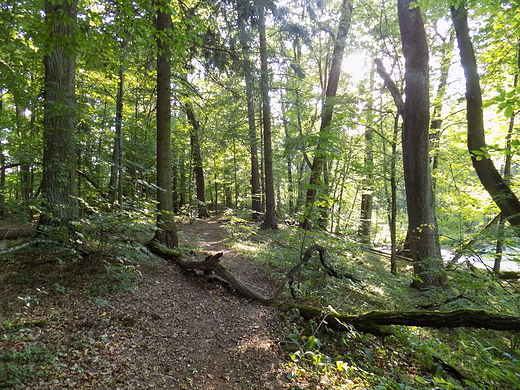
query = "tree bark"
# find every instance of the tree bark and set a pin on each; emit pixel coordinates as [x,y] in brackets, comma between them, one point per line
[256,204]
[422,224]
[59,184]
[489,176]
[198,166]
[270,220]
[116,170]
[320,155]
[166,233]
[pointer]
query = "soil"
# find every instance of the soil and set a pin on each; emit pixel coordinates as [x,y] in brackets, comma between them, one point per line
[173,330]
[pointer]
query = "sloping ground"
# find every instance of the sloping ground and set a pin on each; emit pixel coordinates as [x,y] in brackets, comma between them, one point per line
[174,331]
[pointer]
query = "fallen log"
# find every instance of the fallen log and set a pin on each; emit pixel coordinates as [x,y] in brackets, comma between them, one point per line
[376,321]
[211,264]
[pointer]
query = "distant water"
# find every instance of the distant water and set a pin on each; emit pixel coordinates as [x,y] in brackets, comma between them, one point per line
[487,260]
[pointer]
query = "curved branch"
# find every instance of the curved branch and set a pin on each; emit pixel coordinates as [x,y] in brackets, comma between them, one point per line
[212,264]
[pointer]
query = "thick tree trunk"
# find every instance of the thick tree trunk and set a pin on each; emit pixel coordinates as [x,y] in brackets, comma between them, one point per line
[422,224]
[320,155]
[270,221]
[166,233]
[59,185]
[489,176]
[198,167]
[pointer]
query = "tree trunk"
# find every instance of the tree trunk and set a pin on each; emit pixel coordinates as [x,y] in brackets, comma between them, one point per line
[115,191]
[436,120]
[256,203]
[2,185]
[198,167]
[320,156]
[422,224]
[166,233]
[507,171]
[270,221]
[489,176]
[59,186]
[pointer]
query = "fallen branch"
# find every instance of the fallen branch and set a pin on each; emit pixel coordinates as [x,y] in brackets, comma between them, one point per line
[212,264]
[375,322]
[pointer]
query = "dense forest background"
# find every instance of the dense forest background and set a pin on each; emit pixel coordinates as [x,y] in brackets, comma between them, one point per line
[366,127]
[219,129]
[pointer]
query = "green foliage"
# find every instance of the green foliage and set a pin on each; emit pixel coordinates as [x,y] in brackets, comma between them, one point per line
[18,366]
[412,358]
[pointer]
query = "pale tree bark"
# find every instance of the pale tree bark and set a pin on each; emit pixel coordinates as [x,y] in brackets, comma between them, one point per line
[320,155]
[198,165]
[489,176]
[436,120]
[166,232]
[270,220]
[59,184]
[422,224]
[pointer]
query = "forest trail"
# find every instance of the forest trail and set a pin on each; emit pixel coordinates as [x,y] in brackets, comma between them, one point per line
[175,330]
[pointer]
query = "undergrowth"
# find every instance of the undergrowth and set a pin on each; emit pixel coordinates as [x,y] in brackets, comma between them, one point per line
[36,277]
[412,357]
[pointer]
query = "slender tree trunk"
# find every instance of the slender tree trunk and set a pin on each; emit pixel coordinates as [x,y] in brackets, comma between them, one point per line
[393,199]
[422,224]
[166,233]
[270,221]
[320,156]
[367,198]
[507,172]
[288,157]
[436,120]
[256,203]
[489,176]
[115,191]
[198,167]
[59,185]
[2,185]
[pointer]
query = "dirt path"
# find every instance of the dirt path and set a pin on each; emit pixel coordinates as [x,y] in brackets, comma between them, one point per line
[174,331]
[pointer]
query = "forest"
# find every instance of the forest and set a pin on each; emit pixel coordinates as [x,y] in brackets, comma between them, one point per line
[335,179]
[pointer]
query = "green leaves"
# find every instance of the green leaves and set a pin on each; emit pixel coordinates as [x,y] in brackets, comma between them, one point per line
[507,101]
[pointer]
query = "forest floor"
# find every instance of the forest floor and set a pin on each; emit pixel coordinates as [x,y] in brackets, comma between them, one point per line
[170,329]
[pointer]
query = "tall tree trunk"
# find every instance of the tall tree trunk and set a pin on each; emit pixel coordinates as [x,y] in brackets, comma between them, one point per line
[2,185]
[320,156]
[288,157]
[59,185]
[422,224]
[116,170]
[393,198]
[507,172]
[489,176]
[270,220]
[436,120]
[198,167]
[166,233]
[256,203]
